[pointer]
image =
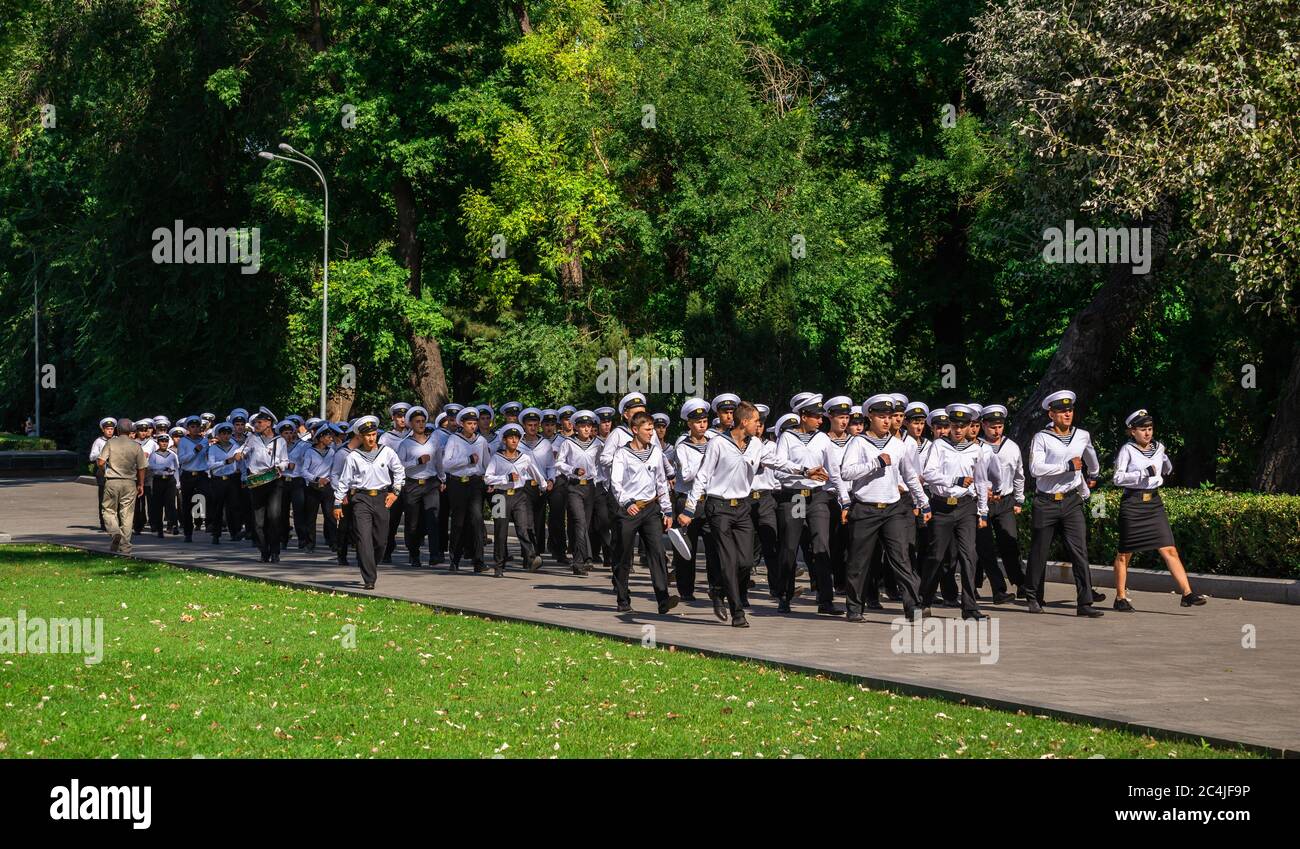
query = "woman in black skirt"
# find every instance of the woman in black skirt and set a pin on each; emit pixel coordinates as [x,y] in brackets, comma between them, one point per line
[1143,526]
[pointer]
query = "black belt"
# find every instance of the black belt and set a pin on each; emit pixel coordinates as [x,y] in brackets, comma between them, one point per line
[197,474]
[731,502]
[371,492]
[955,500]
[879,505]
[226,477]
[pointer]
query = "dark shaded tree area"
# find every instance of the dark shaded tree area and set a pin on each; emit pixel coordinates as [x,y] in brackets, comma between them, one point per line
[840,195]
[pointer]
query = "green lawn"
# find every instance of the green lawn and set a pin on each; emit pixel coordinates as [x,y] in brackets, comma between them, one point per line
[201,665]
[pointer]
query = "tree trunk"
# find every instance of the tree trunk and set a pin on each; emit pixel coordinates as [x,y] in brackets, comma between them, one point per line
[338,404]
[571,269]
[1279,462]
[521,15]
[1083,357]
[427,378]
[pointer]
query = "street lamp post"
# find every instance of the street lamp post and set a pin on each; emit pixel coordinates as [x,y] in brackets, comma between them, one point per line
[310,164]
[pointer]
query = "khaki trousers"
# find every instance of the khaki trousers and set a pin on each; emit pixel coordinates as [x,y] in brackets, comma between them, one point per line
[118,509]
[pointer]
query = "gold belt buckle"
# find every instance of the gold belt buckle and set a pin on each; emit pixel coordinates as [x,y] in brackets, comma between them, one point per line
[464,479]
[372,492]
[532,483]
[756,495]
[582,481]
[510,492]
[952,500]
[880,505]
[1146,496]
[733,502]
[1058,496]
[805,492]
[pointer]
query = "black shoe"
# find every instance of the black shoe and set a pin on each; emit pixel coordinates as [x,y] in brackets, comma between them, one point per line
[216,540]
[688,597]
[973,614]
[454,567]
[875,605]
[855,617]
[950,603]
[480,567]
[669,604]
[369,586]
[739,620]
[275,558]
[535,563]
[1089,611]
[160,535]
[1193,600]
[829,610]
[783,606]
[266,558]
[189,537]
[1098,597]
[437,561]
[744,601]
[720,607]
[1034,606]
[624,608]
[1003,598]
[310,549]
[751,584]
[1020,592]
[926,613]
[499,571]
[1121,604]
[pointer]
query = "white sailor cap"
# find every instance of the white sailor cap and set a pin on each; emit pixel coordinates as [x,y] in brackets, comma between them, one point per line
[237,413]
[881,402]
[285,423]
[263,413]
[567,410]
[509,429]
[366,424]
[605,414]
[486,409]
[108,420]
[209,416]
[695,408]
[939,415]
[530,413]
[916,410]
[978,409]
[994,413]
[321,429]
[295,418]
[466,414]
[1139,418]
[139,423]
[960,413]
[662,418]
[452,409]
[439,419]
[511,408]
[856,412]
[900,401]
[725,401]
[1062,400]
[799,399]
[549,415]
[787,420]
[584,417]
[224,426]
[399,409]
[810,405]
[716,421]
[631,399]
[162,421]
[162,436]
[177,431]
[417,410]
[763,411]
[313,422]
[839,405]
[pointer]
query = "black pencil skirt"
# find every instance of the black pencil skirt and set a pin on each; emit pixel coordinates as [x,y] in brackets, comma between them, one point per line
[1143,524]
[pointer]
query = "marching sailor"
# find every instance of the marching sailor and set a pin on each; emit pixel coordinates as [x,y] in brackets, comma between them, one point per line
[107,429]
[510,476]
[421,495]
[371,478]
[955,473]
[688,454]
[264,457]
[1001,538]
[465,460]
[640,489]
[578,460]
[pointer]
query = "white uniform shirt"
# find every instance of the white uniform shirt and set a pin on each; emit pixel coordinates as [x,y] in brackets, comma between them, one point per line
[410,450]
[381,471]
[573,455]
[96,447]
[261,455]
[543,453]
[501,467]
[163,464]
[950,461]
[804,451]
[1133,466]
[218,464]
[729,472]
[1010,467]
[639,478]
[687,459]
[863,476]
[1049,460]
[193,453]
[316,464]
[456,456]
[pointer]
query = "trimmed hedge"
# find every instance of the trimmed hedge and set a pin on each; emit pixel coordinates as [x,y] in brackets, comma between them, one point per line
[14,442]
[1217,532]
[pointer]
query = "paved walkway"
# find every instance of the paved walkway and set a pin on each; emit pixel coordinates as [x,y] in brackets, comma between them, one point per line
[1165,668]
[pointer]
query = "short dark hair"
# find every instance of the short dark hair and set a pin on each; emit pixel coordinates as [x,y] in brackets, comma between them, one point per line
[641,418]
[745,411]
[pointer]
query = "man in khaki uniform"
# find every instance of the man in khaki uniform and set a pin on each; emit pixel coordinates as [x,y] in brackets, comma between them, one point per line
[124,464]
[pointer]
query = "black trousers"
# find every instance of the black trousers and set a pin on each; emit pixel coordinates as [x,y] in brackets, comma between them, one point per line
[839,544]
[315,498]
[952,526]
[872,527]
[816,508]
[142,507]
[465,498]
[880,569]
[268,505]
[1048,517]
[420,503]
[294,494]
[162,504]
[223,505]
[602,525]
[192,484]
[537,504]
[999,539]
[343,534]
[395,517]
[444,523]
[369,530]
[557,511]
[580,499]
[615,538]
[767,534]
[648,524]
[99,485]
[245,515]
[683,569]
[512,506]
[732,530]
